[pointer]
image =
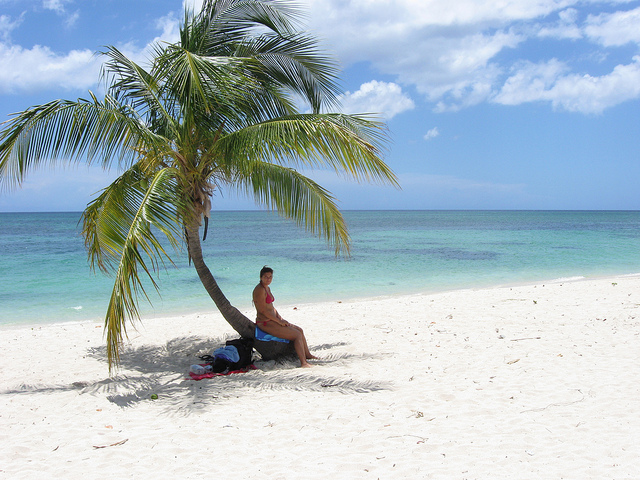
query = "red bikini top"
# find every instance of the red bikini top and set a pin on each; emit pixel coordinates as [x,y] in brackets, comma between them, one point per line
[270,298]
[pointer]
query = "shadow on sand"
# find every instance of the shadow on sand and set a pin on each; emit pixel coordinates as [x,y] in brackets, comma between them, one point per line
[162,370]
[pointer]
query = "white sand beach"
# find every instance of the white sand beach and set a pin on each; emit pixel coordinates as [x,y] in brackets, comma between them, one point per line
[528,382]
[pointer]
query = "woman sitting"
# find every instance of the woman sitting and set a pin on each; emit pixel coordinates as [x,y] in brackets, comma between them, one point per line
[270,321]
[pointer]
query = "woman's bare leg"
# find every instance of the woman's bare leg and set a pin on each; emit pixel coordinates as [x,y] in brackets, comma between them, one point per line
[307,353]
[293,334]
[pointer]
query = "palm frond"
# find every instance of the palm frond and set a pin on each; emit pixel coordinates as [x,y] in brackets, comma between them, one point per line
[64,130]
[349,144]
[120,239]
[130,83]
[282,57]
[204,84]
[298,198]
[296,63]
[221,23]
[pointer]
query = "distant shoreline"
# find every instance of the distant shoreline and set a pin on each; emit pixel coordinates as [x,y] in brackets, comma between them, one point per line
[247,308]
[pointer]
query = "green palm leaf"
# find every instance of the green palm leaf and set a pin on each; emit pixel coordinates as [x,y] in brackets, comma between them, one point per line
[347,144]
[299,198]
[120,239]
[62,131]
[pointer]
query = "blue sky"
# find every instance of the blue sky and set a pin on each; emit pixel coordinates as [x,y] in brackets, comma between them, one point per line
[533,104]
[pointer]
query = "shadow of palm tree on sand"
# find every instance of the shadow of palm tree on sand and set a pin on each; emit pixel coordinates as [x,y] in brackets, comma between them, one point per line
[162,370]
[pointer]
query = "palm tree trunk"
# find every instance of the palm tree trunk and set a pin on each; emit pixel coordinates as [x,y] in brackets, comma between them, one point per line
[239,322]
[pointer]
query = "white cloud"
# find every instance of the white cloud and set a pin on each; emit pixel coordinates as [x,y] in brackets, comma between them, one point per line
[433,133]
[565,28]
[375,20]
[443,48]
[39,68]
[169,27]
[399,33]
[455,72]
[572,92]
[72,19]
[55,5]
[589,94]
[7,25]
[58,6]
[195,5]
[530,82]
[383,98]
[458,54]
[615,29]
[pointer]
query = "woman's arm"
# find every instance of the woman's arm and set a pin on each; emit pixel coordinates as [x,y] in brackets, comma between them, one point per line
[282,321]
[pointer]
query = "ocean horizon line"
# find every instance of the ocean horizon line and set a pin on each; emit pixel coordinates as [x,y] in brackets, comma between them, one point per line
[570,210]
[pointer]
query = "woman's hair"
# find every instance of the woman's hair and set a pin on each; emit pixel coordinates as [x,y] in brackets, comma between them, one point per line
[264,270]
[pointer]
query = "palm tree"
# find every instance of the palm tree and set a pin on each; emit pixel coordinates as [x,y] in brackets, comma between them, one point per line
[217,108]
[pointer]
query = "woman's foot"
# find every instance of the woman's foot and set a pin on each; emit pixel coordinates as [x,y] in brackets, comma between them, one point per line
[305,365]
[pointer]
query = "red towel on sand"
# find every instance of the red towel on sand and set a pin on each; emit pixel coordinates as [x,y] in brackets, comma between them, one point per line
[211,374]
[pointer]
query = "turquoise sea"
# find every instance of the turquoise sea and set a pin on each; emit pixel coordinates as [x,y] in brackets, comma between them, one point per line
[45,277]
